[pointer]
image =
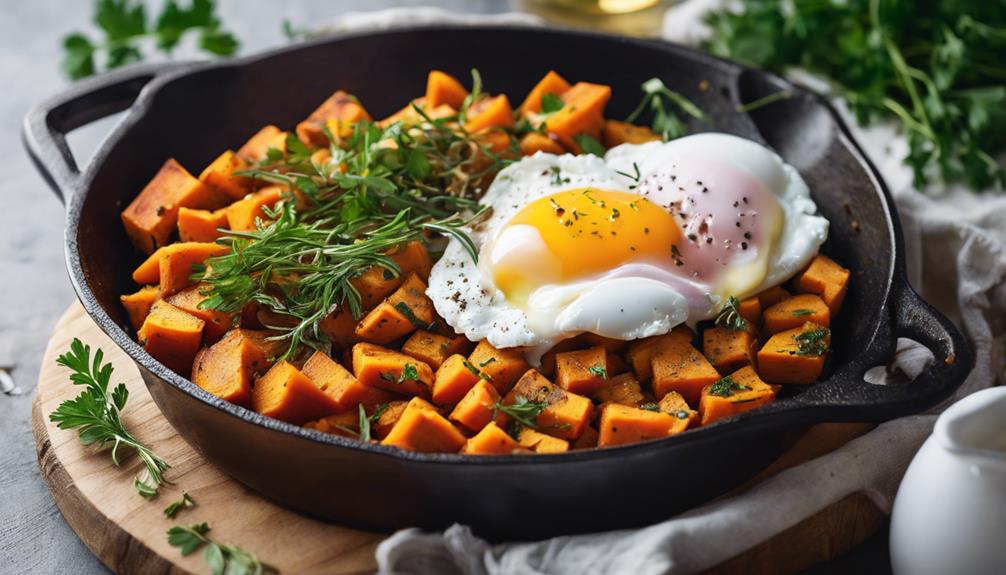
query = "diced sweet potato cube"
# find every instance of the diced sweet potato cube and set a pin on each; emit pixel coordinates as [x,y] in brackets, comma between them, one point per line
[610,344]
[346,424]
[220,175]
[176,265]
[285,393]
[583,371]
[152,216]
[377,283]
[501,367]
[389,417]
[680,367]
[217,322]
[492,112]
[565,414]
[750,309]
[340,327]
[641,352]
[453,380]
[491,441]
[201,225]
[226,368]
[171,336]
[442,88]
[380,367]
[404,311]
[740,391]
[342,109]
[796,311]
[433,349]
[772,296]
[623,389]
[729,349]
[477,407]
[547,367]
[138,304]
[422,428]
[616,365]
[242,214]
[582,113]
[340,384]
[534,142]
[256,149]
[795,355]
[621,424]
[588,440]
[827,279]
[540,442]
[496,140]
[616,133]
[552,83]
[675,405]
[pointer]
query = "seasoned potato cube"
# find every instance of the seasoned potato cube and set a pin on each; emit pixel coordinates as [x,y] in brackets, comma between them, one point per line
[675,405]
[346,424]
[641,352]
[171,336]
[171,266]
[340,327]
[772,296]
[750,309]
[377,282]
[623,389]
[547,367]
[796,311]
[738,392]
[540,442]
[340,384]
[285,393]
[138,304]
[243,215]
[220,175]
[201,225]
[422,428]
[256,148]
[477,407]
[227,367]
[341,109]
[617,133]
[582,113]
[442,88]
[827,279]
[621,424]
[217,322]
[388,418]
[583,371]
[552,83]
[453,380]
[795,355]
[489,112]
[491,441]
[564,415]
[501,367]
[729,349]
[376,366]
[534,142]
[680,367]
[404,311]
[587,440]
[433,348]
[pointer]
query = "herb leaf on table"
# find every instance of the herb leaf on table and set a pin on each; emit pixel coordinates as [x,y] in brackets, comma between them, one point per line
[221,558]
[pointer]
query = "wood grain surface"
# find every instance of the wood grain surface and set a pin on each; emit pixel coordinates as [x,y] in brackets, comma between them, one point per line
[127,532]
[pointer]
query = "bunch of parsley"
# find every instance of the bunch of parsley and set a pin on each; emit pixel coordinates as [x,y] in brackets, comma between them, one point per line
[935,67]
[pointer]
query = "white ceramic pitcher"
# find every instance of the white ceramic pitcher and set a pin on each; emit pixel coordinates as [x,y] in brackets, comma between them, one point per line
[949,516]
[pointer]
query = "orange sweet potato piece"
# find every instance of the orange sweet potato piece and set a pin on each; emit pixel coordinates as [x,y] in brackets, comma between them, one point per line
[410,117]
[422,428]
[399,315]
[582,113]
[827,279]
[795,355]
[740,391]
[201,225]
[772,296]
[621,424]
[488,113]
[389,417]
[138,304]
[491,440]
[442,88]
[340,385]
[377,283]
[616,133]
[680,367]
[152,216]
[149,271]
[433,349]
[453,380]
[177,261]
[496,140]
[552,83]
[588,440]
[257,147]
[501,367]
[171,336]
[227,367]
[220,175]
[728,349]
[616,365]
[534,142]
[641,352]
[565,414]
[610,344]
[346,424]
[376,366]
[285,393]
[583,371]
[547,367]
[217,322]
[750,309]
[623,389]
[796,311]
[676,406]
[242,214]
[342,109]
[477,407]
[540,442]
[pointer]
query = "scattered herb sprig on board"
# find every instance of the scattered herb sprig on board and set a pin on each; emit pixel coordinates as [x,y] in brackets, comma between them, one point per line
[126,28]
[935,68]
[96,414]
[221,558]
[174,507]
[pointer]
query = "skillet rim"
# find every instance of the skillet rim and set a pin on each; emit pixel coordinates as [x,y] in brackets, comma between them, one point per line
[786,411]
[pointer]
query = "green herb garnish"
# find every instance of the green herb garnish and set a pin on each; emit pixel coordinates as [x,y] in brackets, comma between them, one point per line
[730,316]
[487,362]
[522,410]
[404,309]
[367,422]
[650,406]
[725,387]
[813,342]
[550,103]
[589,145]
[96,414]
[409,373]
[802,312]
[222,559]
[598,371]
[476,371]
[557,180]
[186,501]
[661,101]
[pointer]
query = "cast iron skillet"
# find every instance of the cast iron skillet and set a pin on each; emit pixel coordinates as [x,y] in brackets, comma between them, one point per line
[193,111]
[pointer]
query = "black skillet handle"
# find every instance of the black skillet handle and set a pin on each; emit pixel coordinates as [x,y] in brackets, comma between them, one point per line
[46,125]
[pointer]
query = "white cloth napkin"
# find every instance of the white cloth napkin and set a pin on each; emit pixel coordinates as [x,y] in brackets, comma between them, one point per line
[956,259]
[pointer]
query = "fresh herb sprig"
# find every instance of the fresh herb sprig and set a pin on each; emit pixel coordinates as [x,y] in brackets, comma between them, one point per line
[126,28]
[726,386]
[934,68]
[221,558]
[813,342]
[730,316]
[367,421]
[660,102]
[523,410]
[96,414]
[185,502]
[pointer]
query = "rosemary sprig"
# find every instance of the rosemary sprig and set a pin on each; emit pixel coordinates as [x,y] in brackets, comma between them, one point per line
[730,316]
[523,410]
[813,342]
[221,558]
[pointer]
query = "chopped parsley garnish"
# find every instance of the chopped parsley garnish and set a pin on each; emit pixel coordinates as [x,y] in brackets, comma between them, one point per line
[730,316]
[598,371]
[409,373]
[813,342]
[404,309]
[635,181]
[522,410]
[725,387]
[801,312]
[476,371]
[589,145]
[487,362]
[557,180]
[550,103]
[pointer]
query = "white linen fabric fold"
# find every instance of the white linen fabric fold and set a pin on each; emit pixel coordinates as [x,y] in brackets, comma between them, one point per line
[956,259]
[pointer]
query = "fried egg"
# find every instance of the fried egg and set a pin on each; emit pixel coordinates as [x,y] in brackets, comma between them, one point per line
[628,246]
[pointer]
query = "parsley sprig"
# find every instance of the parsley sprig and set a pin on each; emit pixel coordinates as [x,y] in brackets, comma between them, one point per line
[221,558]
[126,28]
[96,414]
[175,506]
[661,103]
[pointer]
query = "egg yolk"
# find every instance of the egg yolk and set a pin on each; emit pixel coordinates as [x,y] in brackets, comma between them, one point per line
[581,232]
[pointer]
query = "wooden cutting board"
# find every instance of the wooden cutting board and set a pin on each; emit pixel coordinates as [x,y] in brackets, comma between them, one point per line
[127,532]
